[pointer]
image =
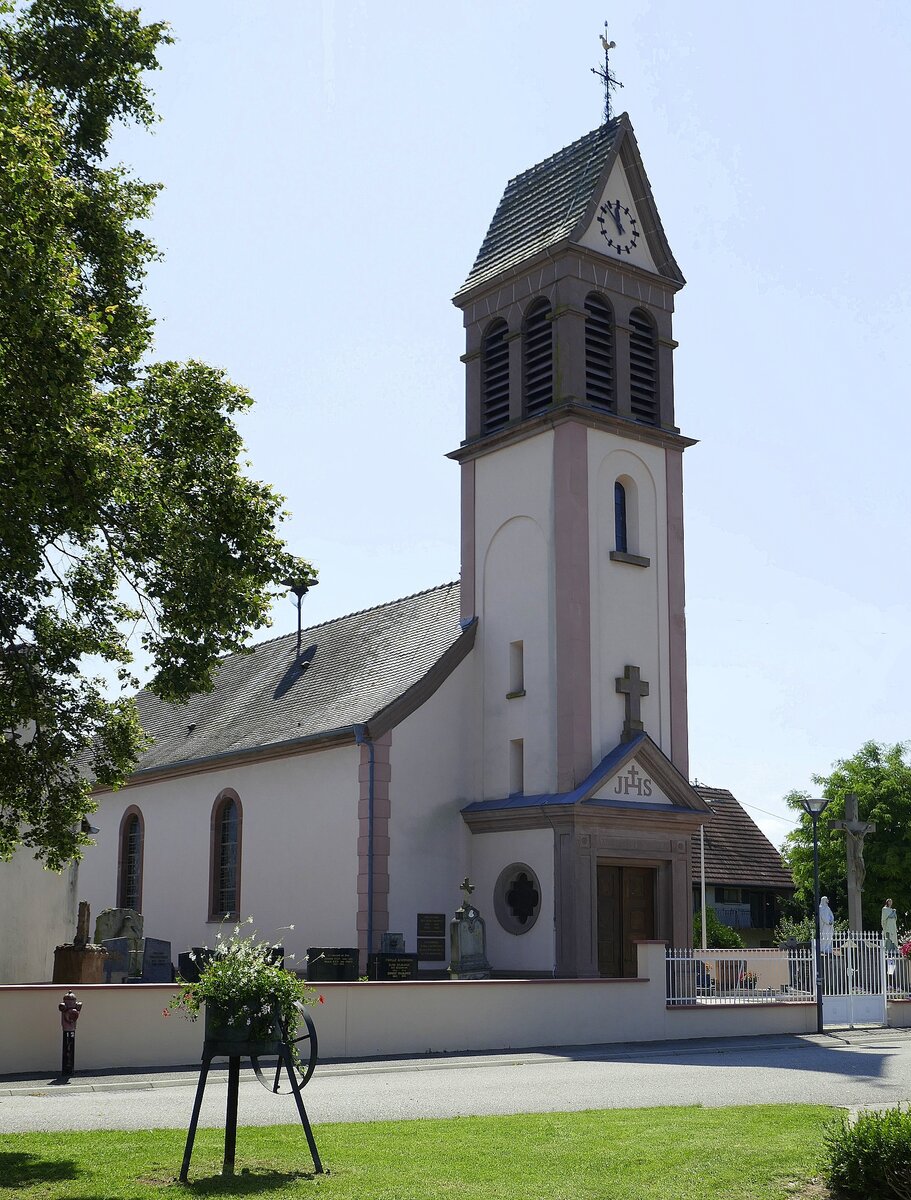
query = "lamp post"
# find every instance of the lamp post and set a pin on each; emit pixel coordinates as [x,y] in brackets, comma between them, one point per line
[816,807]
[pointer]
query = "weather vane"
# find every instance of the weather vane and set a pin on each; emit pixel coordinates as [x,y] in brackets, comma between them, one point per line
[606,75]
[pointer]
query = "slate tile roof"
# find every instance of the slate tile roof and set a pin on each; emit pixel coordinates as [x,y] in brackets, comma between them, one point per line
[359,664]
[737,852]
[543,205]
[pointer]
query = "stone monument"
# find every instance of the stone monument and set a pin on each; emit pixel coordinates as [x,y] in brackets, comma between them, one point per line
[855,832]
[80,961]
[468,940]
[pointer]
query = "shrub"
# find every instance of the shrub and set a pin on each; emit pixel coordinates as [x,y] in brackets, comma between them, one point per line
[718,936]
[871,1157]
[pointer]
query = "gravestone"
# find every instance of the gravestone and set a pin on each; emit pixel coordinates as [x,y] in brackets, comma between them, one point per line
[333,964]
[118,923]
[156,961]
[119,965]
[393,943]
[390,967]
[468,940]
[431,937]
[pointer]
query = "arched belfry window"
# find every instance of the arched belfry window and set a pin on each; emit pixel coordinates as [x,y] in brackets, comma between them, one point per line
[495,377]
[227,822]
[599,352]
[129,864]
[537,359]
[643,367]
[621,530]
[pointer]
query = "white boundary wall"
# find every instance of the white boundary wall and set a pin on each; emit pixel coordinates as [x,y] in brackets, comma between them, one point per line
[123,1025]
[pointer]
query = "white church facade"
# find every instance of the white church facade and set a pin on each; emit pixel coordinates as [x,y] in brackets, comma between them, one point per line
[525,726]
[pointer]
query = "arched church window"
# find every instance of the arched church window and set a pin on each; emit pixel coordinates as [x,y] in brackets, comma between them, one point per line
[599,352]
[227,821]
[129,865]
[621,533]
[517,898]
[537,359]
[643,367]
[495,377]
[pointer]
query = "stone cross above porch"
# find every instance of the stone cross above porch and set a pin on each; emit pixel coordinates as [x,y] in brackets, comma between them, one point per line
[633,688]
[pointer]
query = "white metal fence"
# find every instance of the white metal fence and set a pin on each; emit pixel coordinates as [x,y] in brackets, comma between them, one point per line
[854,965]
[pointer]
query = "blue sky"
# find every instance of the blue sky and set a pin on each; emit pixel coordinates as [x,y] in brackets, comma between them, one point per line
[329,173]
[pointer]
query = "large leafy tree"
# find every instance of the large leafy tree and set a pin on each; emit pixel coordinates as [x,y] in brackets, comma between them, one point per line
[880,776]
[124,512]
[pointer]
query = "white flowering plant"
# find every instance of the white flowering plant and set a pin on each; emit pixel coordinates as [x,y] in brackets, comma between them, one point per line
[241,978]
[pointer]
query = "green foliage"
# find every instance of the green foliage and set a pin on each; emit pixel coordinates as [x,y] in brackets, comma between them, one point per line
[718,936]
[760,1152]
[871,1156]
[802,929]
[240,979]
[881,778]
[123,505]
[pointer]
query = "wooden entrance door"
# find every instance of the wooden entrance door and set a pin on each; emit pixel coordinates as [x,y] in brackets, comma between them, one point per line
[626,914]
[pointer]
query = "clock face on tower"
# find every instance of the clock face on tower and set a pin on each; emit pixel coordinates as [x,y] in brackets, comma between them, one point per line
[619,227]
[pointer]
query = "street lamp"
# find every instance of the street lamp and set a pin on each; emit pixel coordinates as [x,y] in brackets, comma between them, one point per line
[816,807]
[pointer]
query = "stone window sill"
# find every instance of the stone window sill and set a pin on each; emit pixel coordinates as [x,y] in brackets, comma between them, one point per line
[515,695]
[635,560]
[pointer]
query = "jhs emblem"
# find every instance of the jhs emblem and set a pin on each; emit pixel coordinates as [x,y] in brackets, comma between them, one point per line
[633,783]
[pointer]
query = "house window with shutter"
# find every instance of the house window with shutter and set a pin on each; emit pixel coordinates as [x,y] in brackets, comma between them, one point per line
[643,367]
[599,352]
[495,378]
[537,359]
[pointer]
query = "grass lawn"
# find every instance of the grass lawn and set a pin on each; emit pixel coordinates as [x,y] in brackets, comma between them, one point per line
[641,1154]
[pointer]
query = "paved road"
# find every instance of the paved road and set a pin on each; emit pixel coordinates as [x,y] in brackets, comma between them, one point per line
[850,1069]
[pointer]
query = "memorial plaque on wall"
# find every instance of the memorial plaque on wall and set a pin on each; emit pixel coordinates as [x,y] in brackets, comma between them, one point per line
[392,966]
[332,964]
[432,937]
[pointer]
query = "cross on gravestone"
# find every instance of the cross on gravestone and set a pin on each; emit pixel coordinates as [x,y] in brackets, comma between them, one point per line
[467,887]
[855,832]
[633,688]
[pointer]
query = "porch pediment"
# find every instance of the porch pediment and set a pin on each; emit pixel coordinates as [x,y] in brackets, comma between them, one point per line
[635,775]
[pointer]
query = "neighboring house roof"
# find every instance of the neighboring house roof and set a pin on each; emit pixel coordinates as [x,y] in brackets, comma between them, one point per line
[368,668]
[737,852]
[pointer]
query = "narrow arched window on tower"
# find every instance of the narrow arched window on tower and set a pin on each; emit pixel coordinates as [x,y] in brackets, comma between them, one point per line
[599,352]
[129,873]
[537,359]
[494,378]
[225,859]
[643,367]
[621,538]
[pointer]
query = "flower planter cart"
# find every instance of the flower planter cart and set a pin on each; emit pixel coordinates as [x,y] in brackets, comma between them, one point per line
[236,1036]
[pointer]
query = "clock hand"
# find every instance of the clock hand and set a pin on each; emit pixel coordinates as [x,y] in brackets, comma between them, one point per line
[615,213]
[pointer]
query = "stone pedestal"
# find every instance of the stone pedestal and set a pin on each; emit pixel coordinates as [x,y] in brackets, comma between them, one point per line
[79,964]
[468,945]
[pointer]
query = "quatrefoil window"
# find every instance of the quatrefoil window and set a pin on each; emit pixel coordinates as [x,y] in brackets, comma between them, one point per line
[517,898]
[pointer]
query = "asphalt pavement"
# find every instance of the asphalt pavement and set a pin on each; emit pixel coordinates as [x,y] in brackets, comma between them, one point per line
[851,1069]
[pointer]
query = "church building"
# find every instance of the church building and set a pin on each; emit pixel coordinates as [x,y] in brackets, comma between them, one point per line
[525,726]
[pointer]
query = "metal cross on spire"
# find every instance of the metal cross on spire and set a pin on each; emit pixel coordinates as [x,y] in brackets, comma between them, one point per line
[606,75]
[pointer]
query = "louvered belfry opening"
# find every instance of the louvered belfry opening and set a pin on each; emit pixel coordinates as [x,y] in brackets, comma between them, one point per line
[538,359]
[599,352]
[495,378]
[643,367]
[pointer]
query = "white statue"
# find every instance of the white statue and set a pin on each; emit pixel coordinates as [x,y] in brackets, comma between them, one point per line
[890,926]
[826,926]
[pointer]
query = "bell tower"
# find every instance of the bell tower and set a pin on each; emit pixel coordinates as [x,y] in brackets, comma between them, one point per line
[572,485]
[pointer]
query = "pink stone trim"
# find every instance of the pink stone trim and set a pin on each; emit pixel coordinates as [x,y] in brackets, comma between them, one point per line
[382,775]
[676,601]
[572,605]
[468,540]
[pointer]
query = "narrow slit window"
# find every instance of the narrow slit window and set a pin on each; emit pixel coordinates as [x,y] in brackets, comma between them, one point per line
[516,767]
[516,668]
[621,535]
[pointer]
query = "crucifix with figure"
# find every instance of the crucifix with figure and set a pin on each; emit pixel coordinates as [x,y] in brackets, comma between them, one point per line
[633,688]
[855,832]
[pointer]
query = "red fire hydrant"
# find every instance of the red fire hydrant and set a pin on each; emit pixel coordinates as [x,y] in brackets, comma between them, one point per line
[70,1009]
